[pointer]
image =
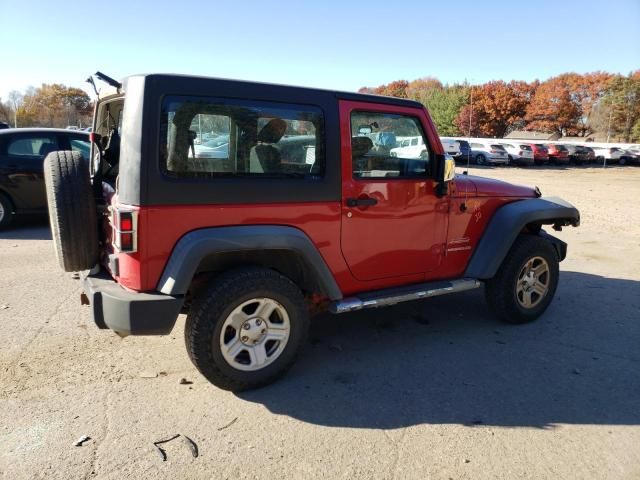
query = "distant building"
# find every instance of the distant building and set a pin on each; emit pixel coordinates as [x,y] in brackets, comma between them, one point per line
[532,135]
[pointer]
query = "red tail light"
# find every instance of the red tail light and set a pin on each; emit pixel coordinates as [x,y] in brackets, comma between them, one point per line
[125,230]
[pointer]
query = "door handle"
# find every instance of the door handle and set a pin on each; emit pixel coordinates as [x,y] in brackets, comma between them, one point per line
[361,202]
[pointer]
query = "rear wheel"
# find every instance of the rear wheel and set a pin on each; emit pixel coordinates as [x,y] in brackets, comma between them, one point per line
[525,283]
[72,210]
[6,211]
[246,329]
[481,159]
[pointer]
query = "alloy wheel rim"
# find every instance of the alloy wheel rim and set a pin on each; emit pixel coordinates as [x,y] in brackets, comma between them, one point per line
[2,212]
[533,282]
[255,334]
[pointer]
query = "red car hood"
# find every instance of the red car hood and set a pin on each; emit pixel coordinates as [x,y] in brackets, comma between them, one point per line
[487,187]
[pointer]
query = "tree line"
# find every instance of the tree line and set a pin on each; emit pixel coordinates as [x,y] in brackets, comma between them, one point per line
[599,103]
[571,104]
[50,105]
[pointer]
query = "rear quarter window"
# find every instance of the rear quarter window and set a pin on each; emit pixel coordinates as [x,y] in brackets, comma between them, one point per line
[215,137]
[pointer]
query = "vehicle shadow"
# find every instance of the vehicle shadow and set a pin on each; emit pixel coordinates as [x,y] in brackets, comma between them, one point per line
[445,360]
[27,229]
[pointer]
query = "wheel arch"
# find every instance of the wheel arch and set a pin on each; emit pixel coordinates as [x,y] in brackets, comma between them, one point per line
[284,249]
[512,219]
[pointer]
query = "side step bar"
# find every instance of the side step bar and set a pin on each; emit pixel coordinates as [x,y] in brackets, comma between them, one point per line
[391,296]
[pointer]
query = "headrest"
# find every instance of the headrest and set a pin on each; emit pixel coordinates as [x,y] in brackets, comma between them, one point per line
[273,131]
[360,146]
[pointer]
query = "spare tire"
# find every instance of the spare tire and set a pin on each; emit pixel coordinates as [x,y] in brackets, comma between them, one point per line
[72,210]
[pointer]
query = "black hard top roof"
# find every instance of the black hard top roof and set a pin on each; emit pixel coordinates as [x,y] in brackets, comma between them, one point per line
[361,97]
[42,130]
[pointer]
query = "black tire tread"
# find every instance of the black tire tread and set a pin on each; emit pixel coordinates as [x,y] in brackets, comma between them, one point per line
[7,204]
[207,311]
[500,292]
[72,210]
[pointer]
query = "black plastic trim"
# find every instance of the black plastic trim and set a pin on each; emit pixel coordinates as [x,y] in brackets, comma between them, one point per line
[508,222]
[192,248]
[130,313]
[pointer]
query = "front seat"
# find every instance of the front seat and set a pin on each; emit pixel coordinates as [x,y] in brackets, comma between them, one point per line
[265,157]
[360,146]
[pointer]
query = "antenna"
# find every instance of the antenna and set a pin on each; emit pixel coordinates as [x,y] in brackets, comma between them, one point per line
[463,207]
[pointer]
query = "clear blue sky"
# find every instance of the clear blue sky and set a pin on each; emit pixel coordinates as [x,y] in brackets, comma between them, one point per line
[331,44]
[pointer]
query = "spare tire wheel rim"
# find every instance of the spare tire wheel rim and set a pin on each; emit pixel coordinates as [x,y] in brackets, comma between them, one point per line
[533,282]
[255,334]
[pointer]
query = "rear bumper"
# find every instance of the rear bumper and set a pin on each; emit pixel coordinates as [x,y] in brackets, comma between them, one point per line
[129,313]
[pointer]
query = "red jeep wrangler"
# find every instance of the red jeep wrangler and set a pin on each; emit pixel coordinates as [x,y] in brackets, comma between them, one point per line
[244,204]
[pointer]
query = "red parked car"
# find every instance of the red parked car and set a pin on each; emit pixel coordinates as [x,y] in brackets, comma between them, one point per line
[558,154]
[308,208]
[540,153]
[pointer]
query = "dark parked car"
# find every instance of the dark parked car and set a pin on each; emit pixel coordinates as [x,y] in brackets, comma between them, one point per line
[579,154]
[4,125]
[22,151]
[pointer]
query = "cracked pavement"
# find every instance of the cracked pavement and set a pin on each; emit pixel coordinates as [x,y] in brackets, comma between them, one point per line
[435,389]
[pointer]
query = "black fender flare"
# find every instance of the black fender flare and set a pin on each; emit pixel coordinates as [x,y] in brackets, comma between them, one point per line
[509,221]
[193,247]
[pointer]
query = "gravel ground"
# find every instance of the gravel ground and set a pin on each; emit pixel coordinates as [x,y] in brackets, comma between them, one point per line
[436,389]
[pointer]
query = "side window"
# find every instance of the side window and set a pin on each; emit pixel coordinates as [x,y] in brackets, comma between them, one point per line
[210,137]
[387,145]
[81,146]
[36,146]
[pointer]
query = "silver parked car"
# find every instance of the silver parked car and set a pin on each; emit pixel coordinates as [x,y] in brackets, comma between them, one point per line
[519,153]
[489,152]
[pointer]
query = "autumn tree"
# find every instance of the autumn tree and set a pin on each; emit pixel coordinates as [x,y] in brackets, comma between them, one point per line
[500,107]
[552,108]
[622,98]
[421,88]
[467,123]
[397,88]
[54,105]
[586,92]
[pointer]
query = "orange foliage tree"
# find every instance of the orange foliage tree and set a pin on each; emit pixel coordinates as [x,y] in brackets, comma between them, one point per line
[553,109]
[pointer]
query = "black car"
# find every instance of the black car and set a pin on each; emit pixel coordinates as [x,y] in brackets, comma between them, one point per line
[579,154]
[4,125]
[22,151]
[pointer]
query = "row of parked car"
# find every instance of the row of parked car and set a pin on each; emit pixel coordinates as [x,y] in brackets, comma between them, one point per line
[483,151]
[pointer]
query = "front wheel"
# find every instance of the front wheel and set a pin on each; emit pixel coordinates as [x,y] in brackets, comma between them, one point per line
[246,329]
[480,159]
[526,282]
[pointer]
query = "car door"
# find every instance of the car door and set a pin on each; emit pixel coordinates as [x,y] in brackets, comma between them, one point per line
[393,224]
[21,167]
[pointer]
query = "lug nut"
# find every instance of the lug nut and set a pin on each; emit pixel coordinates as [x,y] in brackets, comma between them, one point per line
[263,330]
[258,321]
[245,339]
[246,326]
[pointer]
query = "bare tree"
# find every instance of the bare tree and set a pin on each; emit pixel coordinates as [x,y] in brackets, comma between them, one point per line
[15,101]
